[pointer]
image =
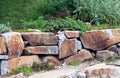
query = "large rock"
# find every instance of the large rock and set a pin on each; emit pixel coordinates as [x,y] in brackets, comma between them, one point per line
[58,73]
[19,75]
[113,48]
[23,61]
[3,67]
[40,38]
[100,39]
[72,34]
[81,56]
[4,57]
[103,71]
[14,43]
[41,50]
[53,60]
[105,54]
[67,48]
[2,46]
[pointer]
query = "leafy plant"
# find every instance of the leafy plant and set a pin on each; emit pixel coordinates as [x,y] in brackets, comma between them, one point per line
[36,24]
[25,70]
[4,28]
[76,63]
[68,23]
[98,11]
[111,59]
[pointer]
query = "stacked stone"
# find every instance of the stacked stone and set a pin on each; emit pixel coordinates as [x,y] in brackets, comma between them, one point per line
[22,49]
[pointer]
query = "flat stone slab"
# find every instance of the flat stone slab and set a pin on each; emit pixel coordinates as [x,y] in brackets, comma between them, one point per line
[40,38]
[59,73]
[3,57]
[41,50]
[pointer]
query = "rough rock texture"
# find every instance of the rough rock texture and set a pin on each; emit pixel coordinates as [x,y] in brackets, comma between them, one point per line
[14,43]
[81,56]
[67,48]
[3,67]
[113,48]
[72,34]
[52,59]
[2,46]
[40,38]
[41,50]
[59,73]
[104,54]
[26,61]
[4,57]
[100,39]
[20,75]
[103,71]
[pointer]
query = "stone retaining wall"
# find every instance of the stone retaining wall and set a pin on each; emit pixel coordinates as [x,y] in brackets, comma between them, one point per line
[22,49]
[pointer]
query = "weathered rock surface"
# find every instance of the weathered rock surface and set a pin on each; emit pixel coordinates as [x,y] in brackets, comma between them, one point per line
[113,48]
[4,57]
[23,61]
[14,43]
[103,71]
[72,34]
[67,48]
[3,67]
[40,38]
[59,73]
[20,75]
[2,46]
[81,56]
[52,59]
[41,50]
[100,39]
[104,54]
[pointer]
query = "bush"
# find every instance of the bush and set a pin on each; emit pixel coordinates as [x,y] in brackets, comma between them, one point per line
[35,24]
[68,23]
[98,11]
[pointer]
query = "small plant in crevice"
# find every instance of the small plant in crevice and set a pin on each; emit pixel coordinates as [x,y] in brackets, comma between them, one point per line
[25,70]
[76,63]
[111,59]
[42,66]
[4,28]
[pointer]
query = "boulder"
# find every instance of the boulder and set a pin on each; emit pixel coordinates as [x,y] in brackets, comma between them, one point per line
[64,72]
[72,34]
[14,43]
[40,38]
[3,67]
[19,75]
[41,50]
[23,61]
[105,54]
[100,39]
[2,46]
[52,59]
[113,48]
[4,57]
[103,71]
[67,48]
[81,56]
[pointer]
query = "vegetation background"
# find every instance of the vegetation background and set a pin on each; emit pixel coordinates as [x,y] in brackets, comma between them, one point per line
[51,15]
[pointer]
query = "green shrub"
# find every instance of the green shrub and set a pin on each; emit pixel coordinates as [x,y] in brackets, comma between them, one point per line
[98,11]
[68,23]
[36,24]
[4,28]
